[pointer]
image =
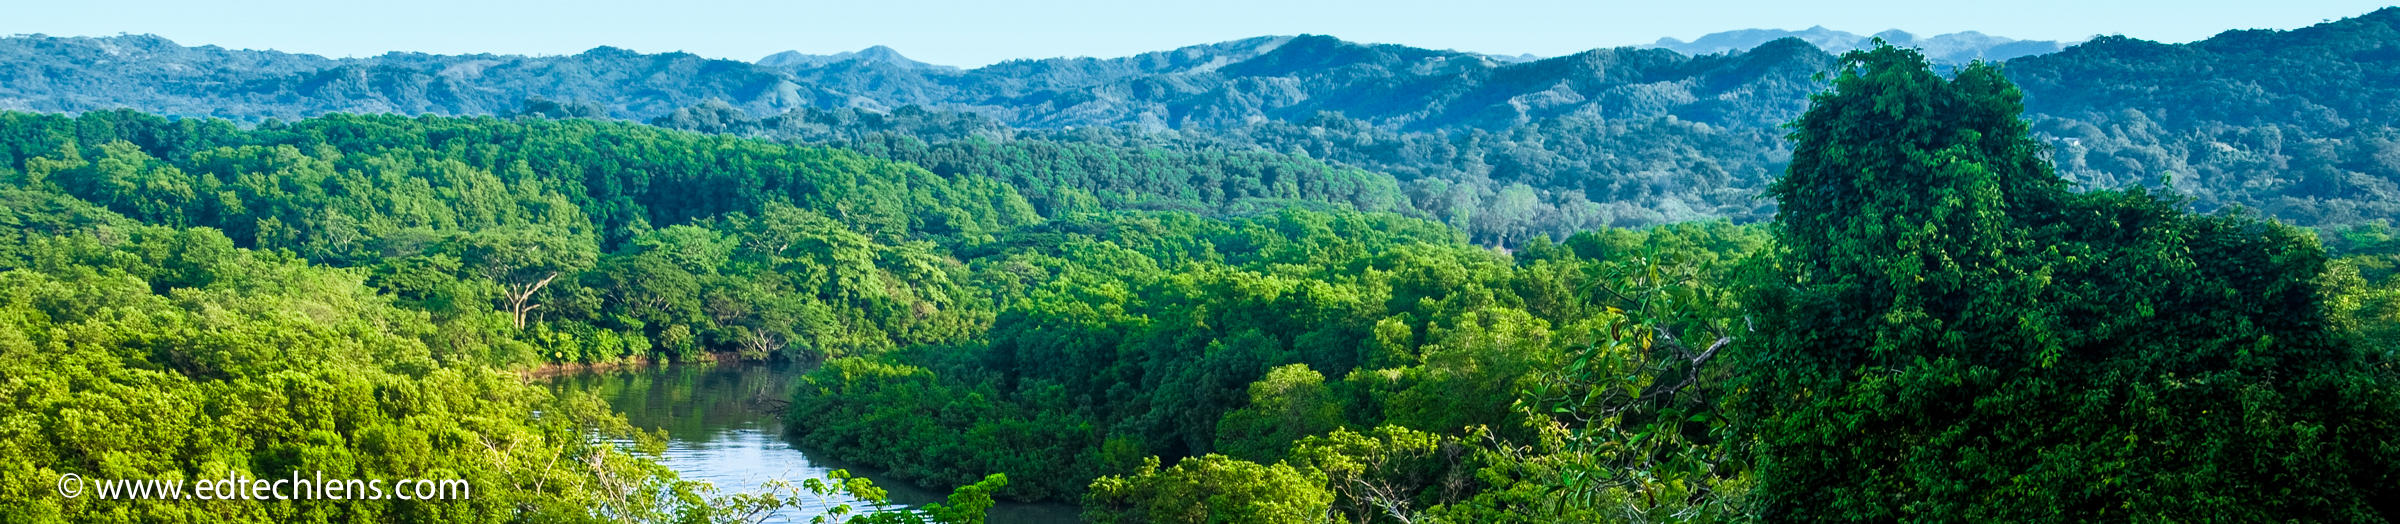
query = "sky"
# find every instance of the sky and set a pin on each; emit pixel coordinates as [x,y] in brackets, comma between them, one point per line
[979,32]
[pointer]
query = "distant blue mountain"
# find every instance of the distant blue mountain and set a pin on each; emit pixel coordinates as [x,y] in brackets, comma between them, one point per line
[871,55]
[1953,48]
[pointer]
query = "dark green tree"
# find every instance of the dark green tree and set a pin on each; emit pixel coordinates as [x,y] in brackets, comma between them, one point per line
[1950,334]
[523,262]
[1211,489]
[1287,405]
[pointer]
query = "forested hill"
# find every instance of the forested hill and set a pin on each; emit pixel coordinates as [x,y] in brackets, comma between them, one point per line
[2309,76]
[2296,123]
[1207,86]
[150,73]
[2291,123]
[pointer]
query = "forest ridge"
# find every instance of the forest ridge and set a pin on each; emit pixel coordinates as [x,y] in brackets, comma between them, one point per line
[2278,121]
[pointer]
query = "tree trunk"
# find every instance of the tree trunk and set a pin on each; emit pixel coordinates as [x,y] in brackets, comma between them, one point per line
[520,294]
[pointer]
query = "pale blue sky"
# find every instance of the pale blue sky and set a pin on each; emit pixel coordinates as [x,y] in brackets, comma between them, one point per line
[978,32]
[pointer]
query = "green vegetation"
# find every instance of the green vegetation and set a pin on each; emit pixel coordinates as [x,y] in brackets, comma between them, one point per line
[186,300]
[1948,333]
[1939,328]
[572,241]
[143,352]
[1214,487]
[1233,326]
[1101,331]
[2292,123]
[2362,288]
[137,352]
[1246,340]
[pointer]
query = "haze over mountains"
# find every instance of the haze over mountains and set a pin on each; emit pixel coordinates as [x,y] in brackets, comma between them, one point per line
[1948,49]
[1167,89]
[1163,89]
[871,55]
[1202,86]
[2292,123]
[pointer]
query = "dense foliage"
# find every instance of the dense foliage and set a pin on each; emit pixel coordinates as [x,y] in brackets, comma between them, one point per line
[1063,177]
[1943,329]
[573,240]
[143,352]
[510,243]
[1242,341]
[137,352]
[1947,332]
[187,299]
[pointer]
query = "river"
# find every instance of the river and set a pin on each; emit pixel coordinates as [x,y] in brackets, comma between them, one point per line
[715,432]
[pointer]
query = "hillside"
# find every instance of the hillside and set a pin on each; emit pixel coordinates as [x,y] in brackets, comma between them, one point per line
[1207,86]
[2297,124]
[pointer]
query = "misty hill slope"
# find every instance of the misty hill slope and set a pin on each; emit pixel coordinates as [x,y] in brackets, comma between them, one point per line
[2298,123]
[41,73]
[1213,85]
[1411,88]
[872,54]
[2320,77]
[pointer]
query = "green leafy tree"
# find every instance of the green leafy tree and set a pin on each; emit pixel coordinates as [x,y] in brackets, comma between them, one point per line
[522,262]
[1290,403]
[1210,489]
[1950,334]
[1388,474]
[968,504]
[1472,369]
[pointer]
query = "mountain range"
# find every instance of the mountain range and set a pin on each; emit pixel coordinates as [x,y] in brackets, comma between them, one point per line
[1285,78]
[1948,49]
[872,55]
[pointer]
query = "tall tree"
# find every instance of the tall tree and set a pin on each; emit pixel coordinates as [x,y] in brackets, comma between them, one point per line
[523,261]
[1951,334]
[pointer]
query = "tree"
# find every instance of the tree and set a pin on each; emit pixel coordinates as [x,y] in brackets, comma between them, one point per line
[968,504]
[1471,370]
[1210,489]
[1290,403]
[1950,334]
[1389,471]
[523,261]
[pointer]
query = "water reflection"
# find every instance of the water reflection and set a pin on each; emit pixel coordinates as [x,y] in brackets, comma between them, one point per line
[723,426]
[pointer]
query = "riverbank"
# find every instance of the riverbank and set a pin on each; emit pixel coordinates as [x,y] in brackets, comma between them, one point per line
[549,370]
[718,431]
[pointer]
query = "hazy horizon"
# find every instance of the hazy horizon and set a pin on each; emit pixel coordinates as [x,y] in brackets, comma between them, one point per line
[969,34]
